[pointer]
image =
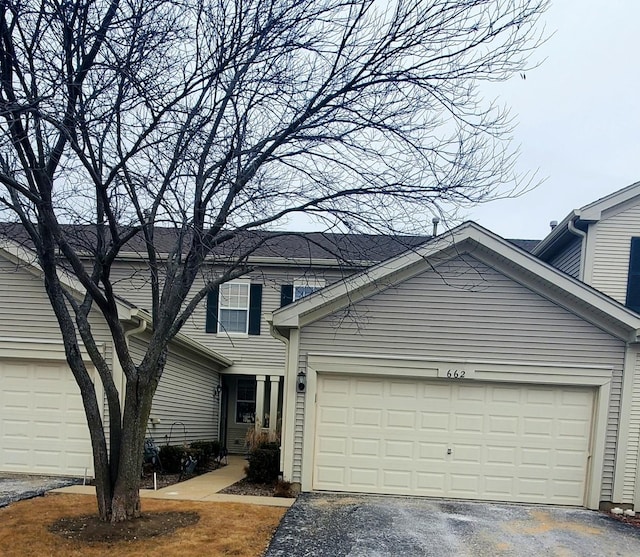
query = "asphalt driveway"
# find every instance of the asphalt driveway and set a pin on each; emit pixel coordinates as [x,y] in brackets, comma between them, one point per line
[15,487]
[372,526]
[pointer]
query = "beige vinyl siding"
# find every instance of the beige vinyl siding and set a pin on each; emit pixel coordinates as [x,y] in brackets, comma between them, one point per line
[251,354]
[184,397]
[612,245]
[568,260]
[633,443]
[25,310]
[298,427]
[467,310]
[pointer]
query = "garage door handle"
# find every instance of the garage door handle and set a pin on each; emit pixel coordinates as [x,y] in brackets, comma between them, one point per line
[448,451]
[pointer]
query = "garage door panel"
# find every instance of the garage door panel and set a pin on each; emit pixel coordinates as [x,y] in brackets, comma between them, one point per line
[365,447]
[399,450]
[435,421]
[43,428]
[367,417]
[400,419]
[402,390]
[496,442]
[369,388]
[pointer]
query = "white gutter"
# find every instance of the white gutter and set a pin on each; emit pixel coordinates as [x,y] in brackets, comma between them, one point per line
[583,244]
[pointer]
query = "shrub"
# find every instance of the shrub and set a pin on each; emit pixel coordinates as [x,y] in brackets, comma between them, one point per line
[257,438]
[204,451]
[283,489]
[264,463]
[171,458]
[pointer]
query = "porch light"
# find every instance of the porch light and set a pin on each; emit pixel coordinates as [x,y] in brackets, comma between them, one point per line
[218,390]
[302,381]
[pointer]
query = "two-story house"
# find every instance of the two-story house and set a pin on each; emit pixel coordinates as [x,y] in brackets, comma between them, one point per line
[464,366]
[233,318]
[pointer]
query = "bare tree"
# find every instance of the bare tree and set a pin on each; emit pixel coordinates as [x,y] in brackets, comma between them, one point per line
[222,116]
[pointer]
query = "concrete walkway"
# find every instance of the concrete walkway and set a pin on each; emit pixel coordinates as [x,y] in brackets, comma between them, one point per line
[205,487]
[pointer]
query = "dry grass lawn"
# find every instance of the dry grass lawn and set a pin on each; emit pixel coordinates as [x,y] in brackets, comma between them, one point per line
[223,529]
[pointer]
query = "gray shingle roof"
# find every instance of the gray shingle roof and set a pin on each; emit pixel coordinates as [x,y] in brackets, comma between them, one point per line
[288,245]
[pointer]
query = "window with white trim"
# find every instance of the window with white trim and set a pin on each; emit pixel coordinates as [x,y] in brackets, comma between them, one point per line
[233,307]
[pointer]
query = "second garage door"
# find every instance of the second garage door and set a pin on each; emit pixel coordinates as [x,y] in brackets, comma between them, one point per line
[43,428]
[501,442]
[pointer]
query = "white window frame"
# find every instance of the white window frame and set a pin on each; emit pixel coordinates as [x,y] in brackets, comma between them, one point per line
[239,307]
[317,284]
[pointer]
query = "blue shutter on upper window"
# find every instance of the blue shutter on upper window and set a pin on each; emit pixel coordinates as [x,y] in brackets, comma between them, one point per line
[211,325]
[286,294]
[255,309]
[633,279]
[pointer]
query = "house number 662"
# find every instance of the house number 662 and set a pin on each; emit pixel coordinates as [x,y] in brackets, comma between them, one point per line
[455,374]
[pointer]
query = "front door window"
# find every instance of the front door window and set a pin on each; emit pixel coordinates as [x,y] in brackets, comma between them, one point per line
[246,401]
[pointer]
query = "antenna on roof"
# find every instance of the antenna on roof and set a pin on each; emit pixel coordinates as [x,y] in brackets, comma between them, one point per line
[435,221]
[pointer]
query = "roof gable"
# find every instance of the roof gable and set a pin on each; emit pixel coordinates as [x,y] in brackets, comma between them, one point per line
[20,255]
[604,207]
[572,294]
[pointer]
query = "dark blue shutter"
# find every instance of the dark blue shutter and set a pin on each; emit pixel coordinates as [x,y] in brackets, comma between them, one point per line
[255,308]
[212,310]
[286,294]
[633,279]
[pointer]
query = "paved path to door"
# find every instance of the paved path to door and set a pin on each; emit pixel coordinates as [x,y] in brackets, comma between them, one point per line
[205,487]
[372,526]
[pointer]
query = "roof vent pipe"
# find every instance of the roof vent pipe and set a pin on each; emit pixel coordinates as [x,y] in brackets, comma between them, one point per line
[553,224]
[435,221]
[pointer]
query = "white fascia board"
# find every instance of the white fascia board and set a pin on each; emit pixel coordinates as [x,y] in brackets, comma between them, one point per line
[556,235]
[593,211]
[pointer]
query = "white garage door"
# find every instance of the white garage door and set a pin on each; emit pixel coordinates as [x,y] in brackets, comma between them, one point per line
[43,429]
[499,442]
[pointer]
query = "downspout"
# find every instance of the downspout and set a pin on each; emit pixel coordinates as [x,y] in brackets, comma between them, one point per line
[583,246]
[117,367]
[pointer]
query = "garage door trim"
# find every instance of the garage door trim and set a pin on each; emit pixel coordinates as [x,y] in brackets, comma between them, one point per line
[533,373]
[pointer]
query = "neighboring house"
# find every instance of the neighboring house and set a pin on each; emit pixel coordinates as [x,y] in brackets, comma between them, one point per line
[600,245]
[463,366]
[43,428]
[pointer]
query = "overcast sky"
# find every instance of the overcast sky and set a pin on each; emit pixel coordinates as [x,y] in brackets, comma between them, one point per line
[578,116]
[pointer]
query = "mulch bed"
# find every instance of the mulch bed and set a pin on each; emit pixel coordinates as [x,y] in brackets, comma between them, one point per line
[92,529]
[245,487]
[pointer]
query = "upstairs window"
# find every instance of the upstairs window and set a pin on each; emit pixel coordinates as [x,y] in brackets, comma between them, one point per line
[302,289]
[299,289]
[234,308]
[633,278]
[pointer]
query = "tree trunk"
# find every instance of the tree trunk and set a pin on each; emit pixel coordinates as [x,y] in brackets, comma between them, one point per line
[125,504]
